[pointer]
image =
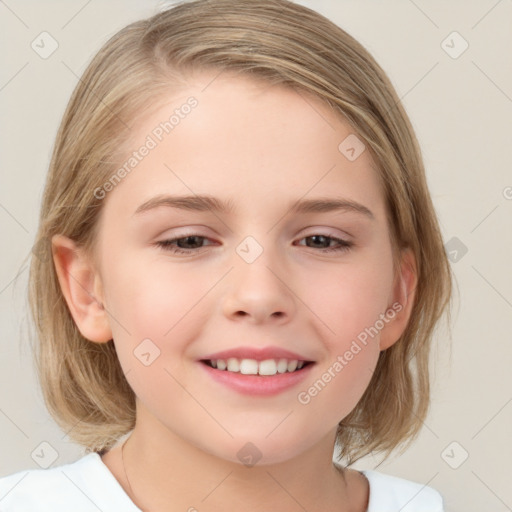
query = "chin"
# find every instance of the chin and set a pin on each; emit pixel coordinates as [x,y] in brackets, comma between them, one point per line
[250,451]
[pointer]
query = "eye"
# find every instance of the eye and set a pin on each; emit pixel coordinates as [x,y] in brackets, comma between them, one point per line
[169,245]
[181,245]
[343,245]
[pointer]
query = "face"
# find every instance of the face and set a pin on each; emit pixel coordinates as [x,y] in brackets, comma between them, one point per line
[258,281]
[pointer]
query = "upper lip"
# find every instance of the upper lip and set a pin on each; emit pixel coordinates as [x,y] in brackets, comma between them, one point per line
[259,354]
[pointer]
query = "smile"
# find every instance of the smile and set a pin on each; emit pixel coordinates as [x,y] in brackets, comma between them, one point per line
[268,367]
[262,378]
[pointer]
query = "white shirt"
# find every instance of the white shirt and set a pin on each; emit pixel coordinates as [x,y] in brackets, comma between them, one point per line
[87,485]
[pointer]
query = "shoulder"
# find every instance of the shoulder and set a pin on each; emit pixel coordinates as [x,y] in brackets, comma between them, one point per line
[392,494]
[83,486]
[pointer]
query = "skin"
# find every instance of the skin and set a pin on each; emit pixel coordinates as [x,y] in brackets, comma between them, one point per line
[263,147]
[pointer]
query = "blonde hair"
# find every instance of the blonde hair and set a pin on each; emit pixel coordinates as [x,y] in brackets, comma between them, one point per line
[281,43]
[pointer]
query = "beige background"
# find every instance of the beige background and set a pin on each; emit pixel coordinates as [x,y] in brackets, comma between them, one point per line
[461,108]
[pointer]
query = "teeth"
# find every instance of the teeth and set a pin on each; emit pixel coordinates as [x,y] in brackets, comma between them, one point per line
[292,365]
[249,367]
[253,367]
[268,367]
[282,366]
[233,365]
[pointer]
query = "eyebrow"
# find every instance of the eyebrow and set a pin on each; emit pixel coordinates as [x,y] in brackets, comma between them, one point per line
[206,202]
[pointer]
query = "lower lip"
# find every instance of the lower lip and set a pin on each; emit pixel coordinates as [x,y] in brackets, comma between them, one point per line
[263,385]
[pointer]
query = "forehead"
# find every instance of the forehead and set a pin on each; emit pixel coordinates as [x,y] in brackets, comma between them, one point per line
[247,141]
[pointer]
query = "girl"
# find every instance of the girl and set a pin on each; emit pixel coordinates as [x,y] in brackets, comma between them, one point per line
[239,269]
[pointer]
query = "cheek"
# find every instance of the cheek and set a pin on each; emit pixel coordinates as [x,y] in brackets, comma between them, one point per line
[158,311]
[349,298]
[338,386]
[154,320]
[151,298]
[349,302]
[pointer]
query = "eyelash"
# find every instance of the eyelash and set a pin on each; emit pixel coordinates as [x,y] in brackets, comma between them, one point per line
[167,245]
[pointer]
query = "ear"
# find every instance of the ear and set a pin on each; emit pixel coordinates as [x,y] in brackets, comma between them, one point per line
[82,288]
[404,293]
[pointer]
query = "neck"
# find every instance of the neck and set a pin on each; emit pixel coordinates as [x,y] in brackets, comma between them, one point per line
[176,476]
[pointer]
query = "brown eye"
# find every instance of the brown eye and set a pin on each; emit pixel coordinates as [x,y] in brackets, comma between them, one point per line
[343,245]
[180,245]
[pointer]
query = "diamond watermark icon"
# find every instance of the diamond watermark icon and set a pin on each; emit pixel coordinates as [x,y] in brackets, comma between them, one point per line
[146,352]
[44,455]
[249,455]
[351,147]
[44,45]
[455,249]
[454,45]
[249,249]
[454,455]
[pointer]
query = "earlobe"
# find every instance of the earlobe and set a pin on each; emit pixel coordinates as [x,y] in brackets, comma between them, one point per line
[82,289]
[404,294]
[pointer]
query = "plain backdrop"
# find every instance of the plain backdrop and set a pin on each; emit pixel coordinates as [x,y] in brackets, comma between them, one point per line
[457,90]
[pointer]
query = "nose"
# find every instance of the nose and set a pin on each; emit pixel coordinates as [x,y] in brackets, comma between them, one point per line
[260,291]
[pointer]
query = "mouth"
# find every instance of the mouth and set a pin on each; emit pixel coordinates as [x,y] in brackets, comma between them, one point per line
[257,371]
[263,368]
